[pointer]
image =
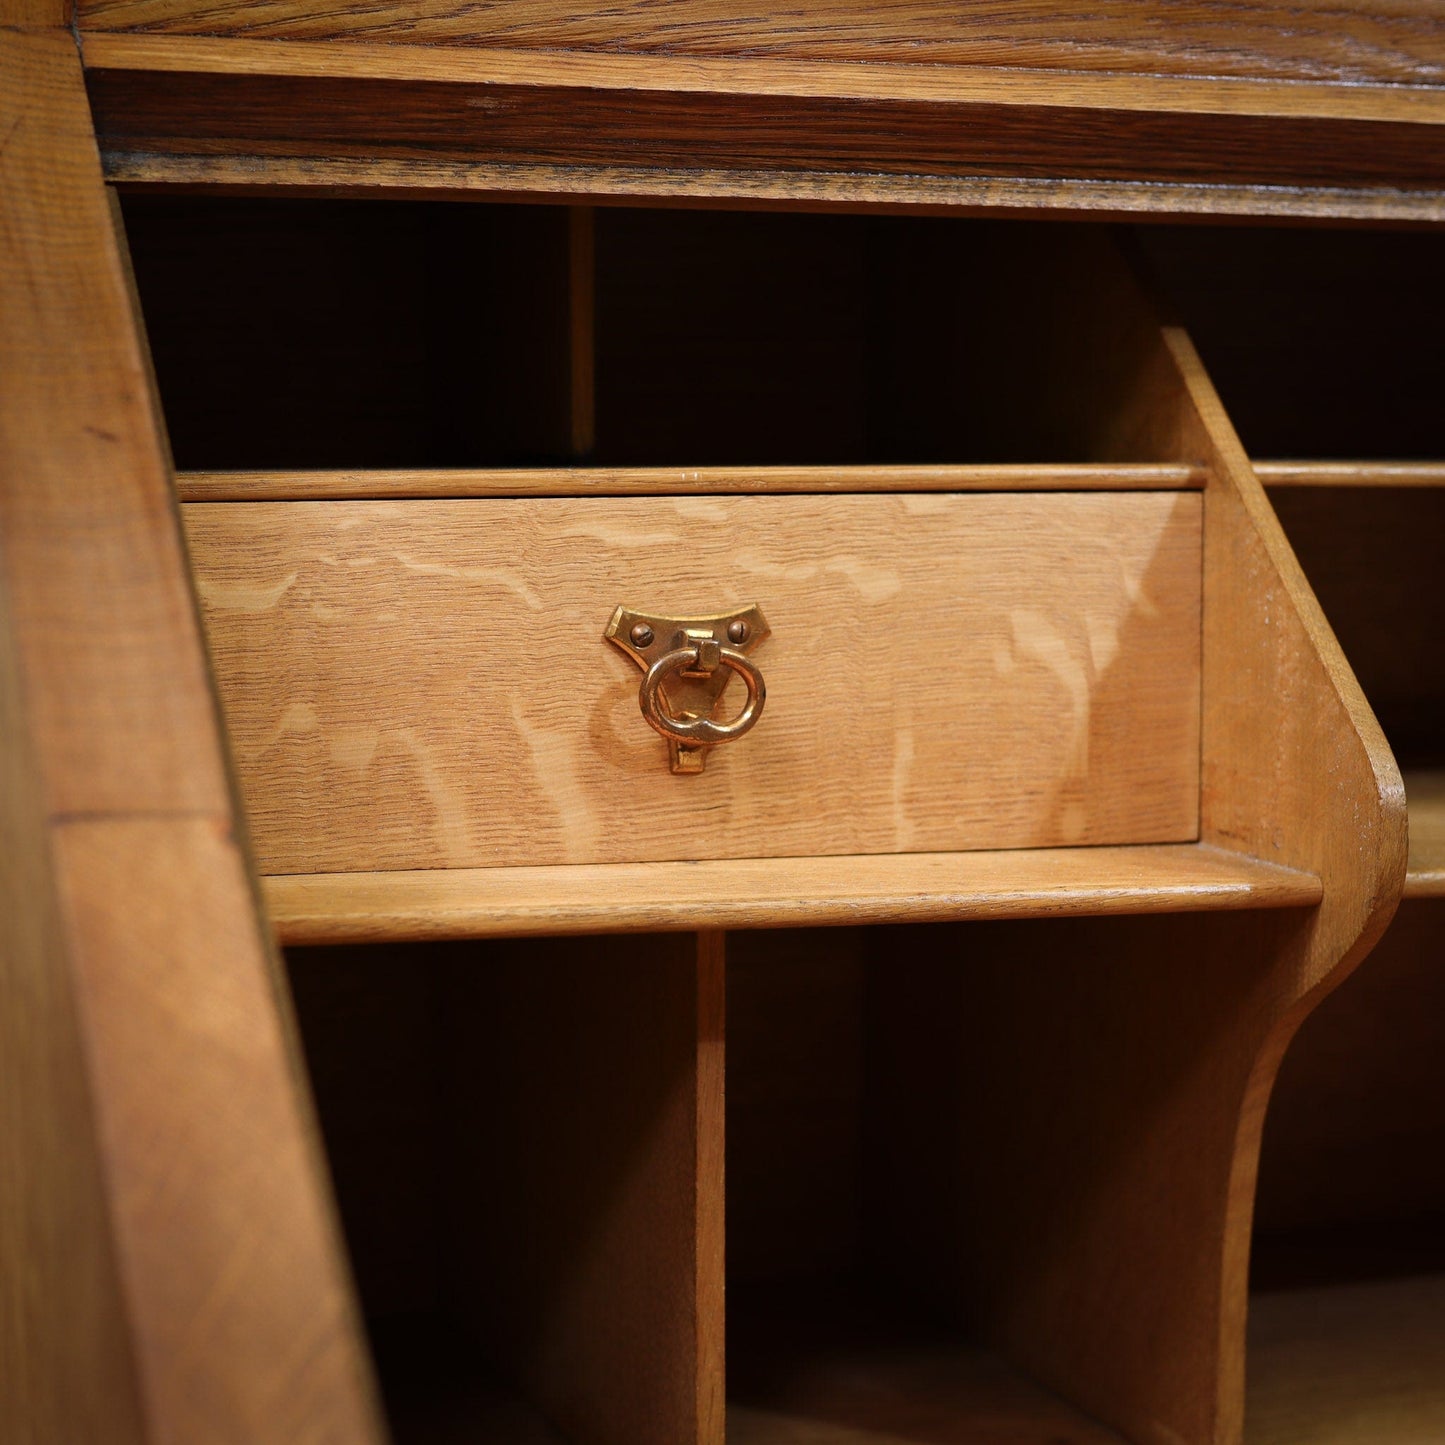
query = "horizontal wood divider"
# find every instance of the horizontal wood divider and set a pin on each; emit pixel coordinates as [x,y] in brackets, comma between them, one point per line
[777,892]
[665,481]
[1350,474]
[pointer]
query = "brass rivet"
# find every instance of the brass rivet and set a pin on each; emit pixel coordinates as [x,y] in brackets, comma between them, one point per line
[641,635]
[738,631]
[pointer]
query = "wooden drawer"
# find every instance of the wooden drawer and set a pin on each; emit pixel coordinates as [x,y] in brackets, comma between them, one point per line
[424,684]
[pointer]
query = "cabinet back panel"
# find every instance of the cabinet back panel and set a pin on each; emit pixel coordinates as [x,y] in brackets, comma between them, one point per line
[1374,557]
[425,684]
[1326,344]
[325,333]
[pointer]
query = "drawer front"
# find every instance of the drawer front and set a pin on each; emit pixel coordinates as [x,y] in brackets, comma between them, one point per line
[424,684]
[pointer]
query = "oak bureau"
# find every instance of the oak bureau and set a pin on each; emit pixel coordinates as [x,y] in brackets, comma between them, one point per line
[694,703]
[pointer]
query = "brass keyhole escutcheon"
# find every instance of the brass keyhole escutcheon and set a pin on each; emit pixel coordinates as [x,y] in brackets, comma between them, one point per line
[687,663]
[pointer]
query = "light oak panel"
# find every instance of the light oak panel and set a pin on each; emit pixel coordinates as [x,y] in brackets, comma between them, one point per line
[185,1246]
[1371,40]
[69,1372]
[754,893]
[425,685]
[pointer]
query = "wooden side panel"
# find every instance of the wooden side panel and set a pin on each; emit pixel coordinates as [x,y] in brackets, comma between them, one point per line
[209,1151]
[415,685]
[144,968]
[1370,40]
[68,1371]
[589,1254]
[1114,1075]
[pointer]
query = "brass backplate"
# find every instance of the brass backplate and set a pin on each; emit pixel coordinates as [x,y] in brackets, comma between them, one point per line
[647,636]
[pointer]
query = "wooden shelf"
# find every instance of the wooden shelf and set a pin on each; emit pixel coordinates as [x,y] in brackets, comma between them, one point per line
[1351,474]
[1357,1364]
[825,1369]
[1425,792]
[756,892]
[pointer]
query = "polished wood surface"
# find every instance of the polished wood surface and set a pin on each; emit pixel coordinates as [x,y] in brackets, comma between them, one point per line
[1369,41]
[751,893]
[419,685]
[342,485]
[1355,1364]
[192,1190]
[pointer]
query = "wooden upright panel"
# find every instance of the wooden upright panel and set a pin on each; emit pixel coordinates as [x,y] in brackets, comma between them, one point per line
[425,684]
[1084,1199]
[181,1187]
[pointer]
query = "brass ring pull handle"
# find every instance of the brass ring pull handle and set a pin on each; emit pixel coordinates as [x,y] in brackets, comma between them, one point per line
[687,663]
[682,660]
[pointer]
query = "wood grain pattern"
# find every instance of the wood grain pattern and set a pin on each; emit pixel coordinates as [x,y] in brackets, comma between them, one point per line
[144,967]
[250,175]
[1425,875]
[1348,1365]
[70,1371]
[1368,41]
[1350,474]
[210,1154]
[1070,90]
[342,485]
[753,893]
[413,685]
